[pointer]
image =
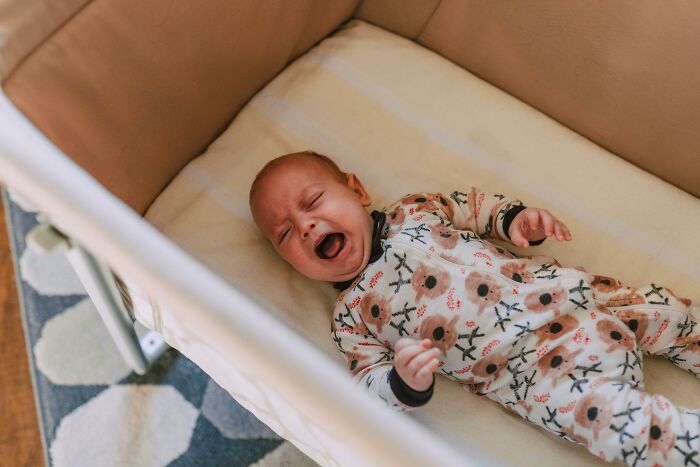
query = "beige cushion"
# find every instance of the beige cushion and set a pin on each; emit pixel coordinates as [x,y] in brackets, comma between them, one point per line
[404,119]
[133,90]
[24,24]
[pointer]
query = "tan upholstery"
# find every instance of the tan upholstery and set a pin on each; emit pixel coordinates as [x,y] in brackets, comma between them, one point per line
[25,23]
[133,90]
[624,74]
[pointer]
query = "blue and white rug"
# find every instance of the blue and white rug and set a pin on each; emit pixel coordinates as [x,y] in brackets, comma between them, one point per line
[93,411]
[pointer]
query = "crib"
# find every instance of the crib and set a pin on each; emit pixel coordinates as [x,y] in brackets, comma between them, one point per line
[136,129]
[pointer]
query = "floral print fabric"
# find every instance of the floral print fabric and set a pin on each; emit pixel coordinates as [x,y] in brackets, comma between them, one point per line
[557,345]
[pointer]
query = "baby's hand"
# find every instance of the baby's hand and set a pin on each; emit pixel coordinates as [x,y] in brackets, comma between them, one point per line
[415,362]
[527,227]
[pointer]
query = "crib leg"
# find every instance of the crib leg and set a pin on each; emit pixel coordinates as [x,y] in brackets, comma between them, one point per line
[100,285]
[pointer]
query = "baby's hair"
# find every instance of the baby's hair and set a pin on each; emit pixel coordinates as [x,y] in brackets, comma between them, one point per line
[327,161]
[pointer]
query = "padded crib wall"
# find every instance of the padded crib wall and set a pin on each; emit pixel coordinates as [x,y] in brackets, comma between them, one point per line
[25,24]
[133,90]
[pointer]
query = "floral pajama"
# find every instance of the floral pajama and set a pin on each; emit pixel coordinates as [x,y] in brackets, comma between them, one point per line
[557,345]
[599,402]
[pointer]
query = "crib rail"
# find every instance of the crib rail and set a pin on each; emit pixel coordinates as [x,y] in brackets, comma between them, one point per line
[80,207]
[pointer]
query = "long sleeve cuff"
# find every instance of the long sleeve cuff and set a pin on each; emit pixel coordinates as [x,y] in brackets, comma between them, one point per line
[508,219]
[406,393]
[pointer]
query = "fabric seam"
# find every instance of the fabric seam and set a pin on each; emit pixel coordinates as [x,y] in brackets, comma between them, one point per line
[415,38]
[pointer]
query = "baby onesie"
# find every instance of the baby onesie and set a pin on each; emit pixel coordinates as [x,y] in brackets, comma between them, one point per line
[557,345]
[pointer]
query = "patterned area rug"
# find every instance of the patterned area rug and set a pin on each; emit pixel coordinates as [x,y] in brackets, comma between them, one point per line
[94,411]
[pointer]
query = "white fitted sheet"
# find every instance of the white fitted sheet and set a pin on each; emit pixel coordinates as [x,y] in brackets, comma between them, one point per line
[405,119]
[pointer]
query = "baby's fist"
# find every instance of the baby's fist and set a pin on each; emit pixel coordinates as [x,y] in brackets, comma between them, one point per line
[415,361]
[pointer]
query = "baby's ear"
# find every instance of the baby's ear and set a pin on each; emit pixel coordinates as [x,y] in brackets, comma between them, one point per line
[356,185]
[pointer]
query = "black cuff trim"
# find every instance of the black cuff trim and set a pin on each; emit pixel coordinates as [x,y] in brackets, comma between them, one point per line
[406,393]
[508,219]
[509,216]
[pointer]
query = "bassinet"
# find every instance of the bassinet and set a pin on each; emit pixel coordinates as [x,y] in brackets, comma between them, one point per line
[117,122]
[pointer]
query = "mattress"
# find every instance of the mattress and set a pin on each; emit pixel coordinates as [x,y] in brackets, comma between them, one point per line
[404,119]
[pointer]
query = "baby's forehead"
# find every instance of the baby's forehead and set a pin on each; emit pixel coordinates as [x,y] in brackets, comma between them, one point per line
[285,182]
[303,171]
[299,162]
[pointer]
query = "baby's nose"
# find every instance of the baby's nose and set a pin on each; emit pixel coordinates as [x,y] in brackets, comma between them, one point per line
[308,228]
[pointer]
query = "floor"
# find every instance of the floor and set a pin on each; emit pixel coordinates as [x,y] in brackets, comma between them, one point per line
[20,443]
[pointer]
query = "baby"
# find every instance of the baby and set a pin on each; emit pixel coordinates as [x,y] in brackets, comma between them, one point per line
[422,290]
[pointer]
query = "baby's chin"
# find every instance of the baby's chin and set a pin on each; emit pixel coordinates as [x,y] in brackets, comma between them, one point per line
[346,276]
[355,270]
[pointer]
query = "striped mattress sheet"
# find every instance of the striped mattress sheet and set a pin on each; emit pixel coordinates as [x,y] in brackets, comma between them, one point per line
[404,119]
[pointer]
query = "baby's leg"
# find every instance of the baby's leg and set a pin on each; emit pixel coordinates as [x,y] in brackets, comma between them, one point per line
[587,390]
[663,323]
[615,421]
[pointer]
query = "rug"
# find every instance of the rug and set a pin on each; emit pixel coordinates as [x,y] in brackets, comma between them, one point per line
[93,410]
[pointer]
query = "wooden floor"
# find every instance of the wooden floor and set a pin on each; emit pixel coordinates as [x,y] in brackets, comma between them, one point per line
[20,443]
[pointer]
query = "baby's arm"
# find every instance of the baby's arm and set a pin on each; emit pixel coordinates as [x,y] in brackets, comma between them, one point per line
[502,217]
[372,363]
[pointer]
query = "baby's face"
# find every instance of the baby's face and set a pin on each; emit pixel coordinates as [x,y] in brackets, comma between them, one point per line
[316,223]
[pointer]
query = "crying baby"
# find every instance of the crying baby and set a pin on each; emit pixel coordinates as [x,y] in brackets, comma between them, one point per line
[422,290]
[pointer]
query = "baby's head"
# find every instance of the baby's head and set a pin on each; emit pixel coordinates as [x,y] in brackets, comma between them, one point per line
[314,215]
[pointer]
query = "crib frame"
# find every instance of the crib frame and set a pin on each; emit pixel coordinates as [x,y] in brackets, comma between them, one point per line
[95,220]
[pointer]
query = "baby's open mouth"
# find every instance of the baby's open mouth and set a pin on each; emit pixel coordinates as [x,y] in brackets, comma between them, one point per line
[330,245]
